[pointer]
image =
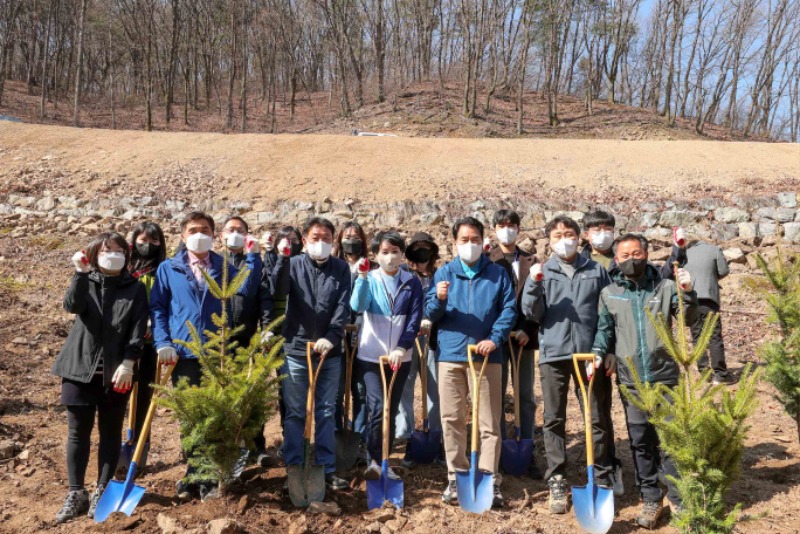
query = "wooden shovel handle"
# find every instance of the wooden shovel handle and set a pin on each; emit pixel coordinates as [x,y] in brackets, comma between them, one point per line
[516,358]
[586,394]
[423,373]
[476,387]
[148,420]
[387,396]
[312,387]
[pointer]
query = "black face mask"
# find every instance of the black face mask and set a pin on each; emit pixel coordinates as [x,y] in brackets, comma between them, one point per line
[634,267]
[419,255]
[354,247]
[148,250]
[297,248]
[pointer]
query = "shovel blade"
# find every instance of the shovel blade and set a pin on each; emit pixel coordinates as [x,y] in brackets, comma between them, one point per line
[384,489]
[119,497]
[475,488]
[424,446]
[306,484]
[347,447]
[515,456]
[594,508]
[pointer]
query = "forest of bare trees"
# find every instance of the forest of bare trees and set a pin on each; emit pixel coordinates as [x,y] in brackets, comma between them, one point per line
[730,62]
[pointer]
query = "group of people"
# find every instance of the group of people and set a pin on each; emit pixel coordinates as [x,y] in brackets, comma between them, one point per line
[132,302]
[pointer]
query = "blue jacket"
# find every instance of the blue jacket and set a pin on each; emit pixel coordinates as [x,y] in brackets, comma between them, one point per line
[566,309]
[318,302]
[177,298]
[387,324]
[475,310]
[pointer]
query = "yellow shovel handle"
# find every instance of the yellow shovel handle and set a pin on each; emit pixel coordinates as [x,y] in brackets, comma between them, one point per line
[586,394]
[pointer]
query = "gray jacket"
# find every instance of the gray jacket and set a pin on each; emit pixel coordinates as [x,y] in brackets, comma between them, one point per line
[707,265]
[566,309]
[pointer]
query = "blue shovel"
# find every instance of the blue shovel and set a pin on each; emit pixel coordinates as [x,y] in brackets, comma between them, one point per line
[425,444]
[124,496]
[475,488]
[515,454]
[593,505]
[385,488]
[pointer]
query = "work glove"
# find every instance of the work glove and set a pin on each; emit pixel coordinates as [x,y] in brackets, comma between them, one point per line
[684,279]
[266,336]
[285,248]
[268,240]
[487,244]
[679,236]
[596,364]
[396,358]
[167,356]
[123,376]
[251,245]
[522,338]
[81,262]
[363,267]
[425,327]
[536,273]
[323,346]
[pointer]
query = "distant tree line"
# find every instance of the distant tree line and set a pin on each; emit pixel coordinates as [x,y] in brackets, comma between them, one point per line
[730,62]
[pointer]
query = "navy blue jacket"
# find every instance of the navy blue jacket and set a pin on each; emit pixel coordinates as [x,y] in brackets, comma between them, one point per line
[318,302]
[177,298]
[248,310]
[478,309]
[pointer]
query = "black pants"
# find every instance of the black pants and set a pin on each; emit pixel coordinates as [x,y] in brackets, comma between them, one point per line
[648,457]
[147,375]
[192,371]
[601,381]
[555,378]
[80,422]
[370,374]
[716,347]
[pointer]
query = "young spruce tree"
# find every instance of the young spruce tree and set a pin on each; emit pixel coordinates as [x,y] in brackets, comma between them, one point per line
[237,393]
[700,425]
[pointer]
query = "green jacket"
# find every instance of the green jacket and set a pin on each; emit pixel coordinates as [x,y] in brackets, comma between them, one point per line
[624,322]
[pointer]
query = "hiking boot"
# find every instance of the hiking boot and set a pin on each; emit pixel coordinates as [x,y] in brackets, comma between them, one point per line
[497,499]
[616,481]
[727,379]
[533,470]
[241,463]
[264,459]
[185,490]
[557,502]
[649,514]
[450,495]
[209,491]
[408,462]
[391,475]
[373,471]
[335,483]
[76,504]
[98,492]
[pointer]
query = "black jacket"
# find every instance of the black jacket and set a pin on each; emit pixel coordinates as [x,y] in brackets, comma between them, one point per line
[248,310]
[111,321]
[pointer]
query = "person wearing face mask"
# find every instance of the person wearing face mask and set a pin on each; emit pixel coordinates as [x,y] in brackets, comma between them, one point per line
[471,301]
[318,288]
[518,263]
[623,324]
[96,363]
[561,296]
[147,253]
[390,300]
[180,295]
[422,254]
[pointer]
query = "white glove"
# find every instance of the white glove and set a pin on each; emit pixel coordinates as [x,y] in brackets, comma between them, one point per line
[167,356]
[323,346]
[268,241]
[266,336]
[363,267]
[487,244]
[536,272]
[251,245]
[81,262]
[596,364]
[425,326]
[284,247]
[123,376]
[685,279]
[679,236]
[396,358]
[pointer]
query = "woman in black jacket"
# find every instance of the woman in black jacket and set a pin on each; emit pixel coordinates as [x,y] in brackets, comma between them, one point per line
[96,363]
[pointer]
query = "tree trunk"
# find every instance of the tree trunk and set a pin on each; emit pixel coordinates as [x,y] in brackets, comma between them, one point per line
[79,68]
[45,58]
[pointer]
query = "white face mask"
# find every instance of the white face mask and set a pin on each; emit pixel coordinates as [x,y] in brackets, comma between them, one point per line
[111,261]
[235,240]
[566,248]
[469,252]
[389,262]
[602,241]
[319,251]
[199,242]
[507,235]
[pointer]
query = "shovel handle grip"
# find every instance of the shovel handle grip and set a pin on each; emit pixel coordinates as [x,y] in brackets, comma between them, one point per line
[387,396]
[312,387]
[586,394]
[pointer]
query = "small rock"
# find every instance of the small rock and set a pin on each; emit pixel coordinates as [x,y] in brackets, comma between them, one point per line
[734,255]
[396,525]
[731,215]
[20,341]
[168,525]
[373,528]
[299,526]
[24,455]
[748,230]
[8,449]
[787,199]
[791,232]
[224,525]
[328,508]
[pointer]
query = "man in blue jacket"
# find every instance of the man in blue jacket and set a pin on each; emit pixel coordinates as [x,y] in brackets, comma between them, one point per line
[562,297]
[471,301]
[317,287]
[180,295]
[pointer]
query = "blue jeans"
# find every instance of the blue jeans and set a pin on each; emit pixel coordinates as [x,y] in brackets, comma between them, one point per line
[405,417]
[527,402]
[370,373]
[295,392]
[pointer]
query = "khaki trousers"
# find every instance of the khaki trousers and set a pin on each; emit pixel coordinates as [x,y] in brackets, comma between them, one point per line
[455,387]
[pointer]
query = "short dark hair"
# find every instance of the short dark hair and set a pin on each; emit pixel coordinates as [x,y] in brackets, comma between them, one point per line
[286,231]
[632,237]
[392,237]
[237,218]
[467,221]
[196,216]
[506,217]
[598,217]
[153,231]
[561,219]
[93,250]
[318,221]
